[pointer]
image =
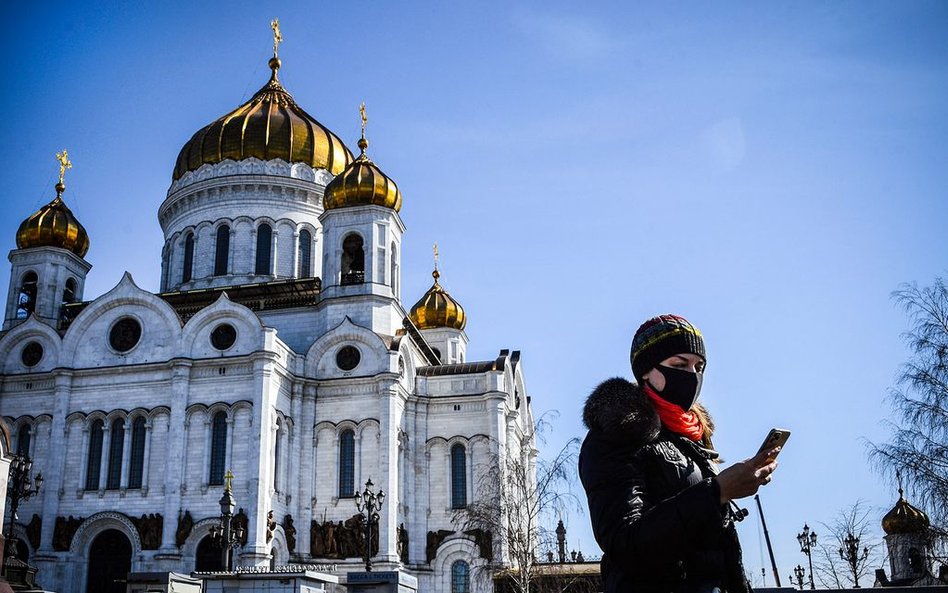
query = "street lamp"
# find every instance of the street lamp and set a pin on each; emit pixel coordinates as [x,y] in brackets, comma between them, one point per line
[807,541]
[21,486]
[226,535]
[850,553]
[798,573]
[369,503]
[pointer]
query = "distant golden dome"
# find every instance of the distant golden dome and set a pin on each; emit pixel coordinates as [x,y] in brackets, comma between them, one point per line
[53,225]
[904,518]
[437,309]
[362,184]
[268,126]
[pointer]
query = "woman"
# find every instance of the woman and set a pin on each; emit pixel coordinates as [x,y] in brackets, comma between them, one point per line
[659,508]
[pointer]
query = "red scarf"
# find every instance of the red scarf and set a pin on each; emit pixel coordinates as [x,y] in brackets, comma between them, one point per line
[674,417]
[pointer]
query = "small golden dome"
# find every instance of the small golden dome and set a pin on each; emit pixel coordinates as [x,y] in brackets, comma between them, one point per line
[53,225]
[904,518]
[437,309]
[268,126]
[362,184]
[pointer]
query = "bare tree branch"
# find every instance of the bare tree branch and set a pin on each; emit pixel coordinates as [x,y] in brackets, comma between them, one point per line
[918,444]
[517,496]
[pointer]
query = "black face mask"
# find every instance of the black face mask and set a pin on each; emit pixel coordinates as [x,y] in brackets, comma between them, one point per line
[681,387]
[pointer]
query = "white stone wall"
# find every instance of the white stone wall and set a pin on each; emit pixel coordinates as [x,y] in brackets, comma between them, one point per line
[279,381]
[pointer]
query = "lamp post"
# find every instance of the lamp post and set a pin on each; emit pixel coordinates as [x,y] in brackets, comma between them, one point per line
[807,541]
[798,573]
[226,535]
[21,486]
[369,503]
[850,553]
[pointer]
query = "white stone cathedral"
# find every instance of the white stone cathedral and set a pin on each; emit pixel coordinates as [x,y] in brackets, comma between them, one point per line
[278,348]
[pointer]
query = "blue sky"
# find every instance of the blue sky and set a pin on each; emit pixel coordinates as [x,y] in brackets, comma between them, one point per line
[770,171]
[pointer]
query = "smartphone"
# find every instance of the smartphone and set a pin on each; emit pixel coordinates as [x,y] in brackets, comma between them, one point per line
[777,437]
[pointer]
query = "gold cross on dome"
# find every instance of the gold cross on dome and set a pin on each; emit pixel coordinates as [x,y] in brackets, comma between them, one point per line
[64,163]
[277,36]
[365,118]
[436,254]
[228,478]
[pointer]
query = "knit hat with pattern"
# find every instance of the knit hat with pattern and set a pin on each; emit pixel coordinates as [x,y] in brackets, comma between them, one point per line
[661,337]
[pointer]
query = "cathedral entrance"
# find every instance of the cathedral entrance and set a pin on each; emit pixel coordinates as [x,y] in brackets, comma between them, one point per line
[110,560]
[208,555]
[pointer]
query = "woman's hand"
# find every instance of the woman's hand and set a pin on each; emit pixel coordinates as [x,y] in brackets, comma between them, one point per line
[744,478]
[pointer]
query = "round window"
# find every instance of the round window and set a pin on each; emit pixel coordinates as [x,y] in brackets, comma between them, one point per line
[223,336]
[125,334]
[348,358]
[32,354]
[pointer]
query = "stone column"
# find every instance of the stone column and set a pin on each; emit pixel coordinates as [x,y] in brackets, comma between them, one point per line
[146,458]
[104,459]
[274,260]
[257,552]
[126,457]
[54,487]
[307,468]
[174,459]
[391,407]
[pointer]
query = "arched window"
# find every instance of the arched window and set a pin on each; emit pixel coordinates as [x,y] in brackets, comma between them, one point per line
[222,250]
[346,464]
[23,440]
[305,255]
[458,477]
[188,267]
[26,301]
[69,291]
[116,448]
[136,466]
[353,260]
[264,239]
[394,271]
[218,449]
[94,463]
[460,577]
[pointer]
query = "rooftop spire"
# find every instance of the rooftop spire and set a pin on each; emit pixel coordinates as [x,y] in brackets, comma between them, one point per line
[436,274]
[277,40]
[363,143]
[64,163]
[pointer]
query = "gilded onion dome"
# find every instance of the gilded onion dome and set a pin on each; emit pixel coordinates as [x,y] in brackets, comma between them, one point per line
[437,309]
[268,126]
[362,183]
[53,225]
[904,518]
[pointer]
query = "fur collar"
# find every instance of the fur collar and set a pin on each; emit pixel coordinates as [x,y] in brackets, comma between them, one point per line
[620,410]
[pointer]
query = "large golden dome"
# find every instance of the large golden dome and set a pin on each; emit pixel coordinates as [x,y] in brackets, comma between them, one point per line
[904,518]
[362,184]
[53,225]
[437,309]
[268,126]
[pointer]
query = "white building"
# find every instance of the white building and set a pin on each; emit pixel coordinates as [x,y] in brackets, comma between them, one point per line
[278,348]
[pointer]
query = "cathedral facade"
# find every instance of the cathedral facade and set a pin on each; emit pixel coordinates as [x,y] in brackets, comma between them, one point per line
[277,350]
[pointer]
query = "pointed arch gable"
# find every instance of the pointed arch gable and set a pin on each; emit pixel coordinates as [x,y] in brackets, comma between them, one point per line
[196,335]
[13,342]
[320,358]
[161,328]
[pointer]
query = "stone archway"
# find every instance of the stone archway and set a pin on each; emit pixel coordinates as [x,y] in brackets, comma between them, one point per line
[110,561]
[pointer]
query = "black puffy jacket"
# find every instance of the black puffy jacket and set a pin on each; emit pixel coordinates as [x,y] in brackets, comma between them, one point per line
[655,509]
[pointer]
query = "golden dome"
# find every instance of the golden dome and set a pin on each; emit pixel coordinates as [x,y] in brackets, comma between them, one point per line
[268,126]
[53,225]
[904,518]
[437,309]
[362,184]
